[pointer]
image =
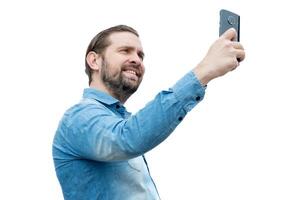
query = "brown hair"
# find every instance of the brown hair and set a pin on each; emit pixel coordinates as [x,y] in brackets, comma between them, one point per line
[100,42]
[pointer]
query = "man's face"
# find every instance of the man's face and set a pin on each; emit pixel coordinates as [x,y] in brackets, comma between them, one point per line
[122,67]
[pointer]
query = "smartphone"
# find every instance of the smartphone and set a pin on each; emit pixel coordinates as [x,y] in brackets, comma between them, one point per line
[229,20]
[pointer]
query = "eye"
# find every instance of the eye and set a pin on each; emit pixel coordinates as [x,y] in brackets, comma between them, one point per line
[141,56]
[124,51]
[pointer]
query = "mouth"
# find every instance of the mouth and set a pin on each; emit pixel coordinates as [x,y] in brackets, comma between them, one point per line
[131,74]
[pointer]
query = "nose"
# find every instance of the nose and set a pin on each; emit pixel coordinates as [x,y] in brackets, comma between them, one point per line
[135,59]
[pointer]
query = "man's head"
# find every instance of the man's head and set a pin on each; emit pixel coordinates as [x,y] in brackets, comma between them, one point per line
[114,61]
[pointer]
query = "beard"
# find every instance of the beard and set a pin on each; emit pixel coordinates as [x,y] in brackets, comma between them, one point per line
[120,86]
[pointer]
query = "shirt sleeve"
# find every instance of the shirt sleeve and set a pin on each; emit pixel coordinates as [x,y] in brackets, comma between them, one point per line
[100,135]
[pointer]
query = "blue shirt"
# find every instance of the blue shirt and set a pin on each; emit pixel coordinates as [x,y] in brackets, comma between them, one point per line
[98,147]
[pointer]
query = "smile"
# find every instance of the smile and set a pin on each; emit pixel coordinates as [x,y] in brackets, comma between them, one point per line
[130,74]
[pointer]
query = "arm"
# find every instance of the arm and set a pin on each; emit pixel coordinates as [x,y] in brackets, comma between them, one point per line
[106,137]
[99,135]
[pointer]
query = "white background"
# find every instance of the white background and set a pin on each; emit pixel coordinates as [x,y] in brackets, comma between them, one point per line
[241,142]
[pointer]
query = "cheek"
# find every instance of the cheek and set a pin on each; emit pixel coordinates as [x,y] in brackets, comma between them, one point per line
[115,68]
[116,72]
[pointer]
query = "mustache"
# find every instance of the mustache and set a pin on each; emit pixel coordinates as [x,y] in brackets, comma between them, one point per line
[132,65]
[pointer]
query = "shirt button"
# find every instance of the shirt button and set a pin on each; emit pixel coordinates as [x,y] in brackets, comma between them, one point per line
[180,118]
[198,98]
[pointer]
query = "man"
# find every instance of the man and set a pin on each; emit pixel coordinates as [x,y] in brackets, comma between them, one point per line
[99,147]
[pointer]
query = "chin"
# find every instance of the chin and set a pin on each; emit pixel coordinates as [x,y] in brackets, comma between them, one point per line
[131,86]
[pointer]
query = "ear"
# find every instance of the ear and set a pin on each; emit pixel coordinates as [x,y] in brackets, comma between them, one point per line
[94,60]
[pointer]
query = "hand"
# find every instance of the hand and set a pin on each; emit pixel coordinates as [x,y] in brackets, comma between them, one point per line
[223,56]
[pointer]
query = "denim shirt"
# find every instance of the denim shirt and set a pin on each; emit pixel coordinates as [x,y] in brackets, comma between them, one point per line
[99,147]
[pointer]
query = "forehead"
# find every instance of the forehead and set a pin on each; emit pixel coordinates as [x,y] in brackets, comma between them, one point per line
[120,39]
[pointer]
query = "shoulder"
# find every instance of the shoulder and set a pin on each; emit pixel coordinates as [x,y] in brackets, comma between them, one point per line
[84,111]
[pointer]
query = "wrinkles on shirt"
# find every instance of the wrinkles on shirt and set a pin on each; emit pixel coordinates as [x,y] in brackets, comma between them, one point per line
[98,146]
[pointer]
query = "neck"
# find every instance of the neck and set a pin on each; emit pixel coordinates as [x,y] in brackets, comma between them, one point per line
[117,95]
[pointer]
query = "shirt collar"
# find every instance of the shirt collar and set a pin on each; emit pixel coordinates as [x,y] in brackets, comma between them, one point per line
[100,96]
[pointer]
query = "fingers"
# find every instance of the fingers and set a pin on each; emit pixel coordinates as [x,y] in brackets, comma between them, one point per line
[240,55]
[230,34]
[237,45]
[240,52]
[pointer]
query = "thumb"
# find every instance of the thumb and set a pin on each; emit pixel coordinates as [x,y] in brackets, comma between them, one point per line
[230,34]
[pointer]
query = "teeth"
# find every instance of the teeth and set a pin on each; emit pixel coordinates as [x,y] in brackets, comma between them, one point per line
[131,72]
